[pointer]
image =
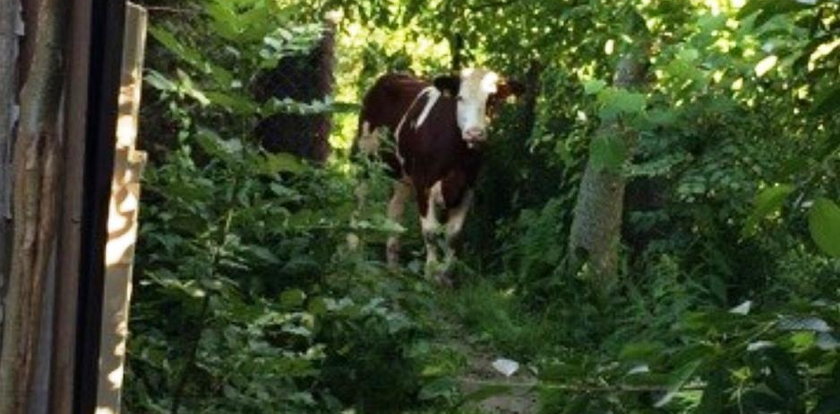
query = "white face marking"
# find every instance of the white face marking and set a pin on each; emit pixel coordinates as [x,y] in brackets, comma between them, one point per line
[476,86]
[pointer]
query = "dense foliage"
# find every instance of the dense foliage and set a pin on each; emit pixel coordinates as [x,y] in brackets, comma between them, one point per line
[260,282]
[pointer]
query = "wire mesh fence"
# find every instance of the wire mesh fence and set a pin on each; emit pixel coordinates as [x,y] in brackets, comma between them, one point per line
[303,78]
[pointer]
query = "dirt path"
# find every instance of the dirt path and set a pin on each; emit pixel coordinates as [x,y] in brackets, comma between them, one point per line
[515,394]
[500,394]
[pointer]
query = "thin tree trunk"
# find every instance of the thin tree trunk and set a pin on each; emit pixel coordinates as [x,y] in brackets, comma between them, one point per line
[456,48]
[36,163]
[596,225]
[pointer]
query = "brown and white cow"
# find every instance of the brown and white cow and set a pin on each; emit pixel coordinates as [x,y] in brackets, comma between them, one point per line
[430,136]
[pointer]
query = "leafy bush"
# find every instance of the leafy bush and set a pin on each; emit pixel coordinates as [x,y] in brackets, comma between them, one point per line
[256,290]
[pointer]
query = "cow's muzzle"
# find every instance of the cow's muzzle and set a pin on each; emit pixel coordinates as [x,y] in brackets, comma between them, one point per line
[474,137]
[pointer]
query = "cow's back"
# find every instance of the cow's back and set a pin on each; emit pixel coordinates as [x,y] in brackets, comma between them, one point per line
[388,100]
[383,108]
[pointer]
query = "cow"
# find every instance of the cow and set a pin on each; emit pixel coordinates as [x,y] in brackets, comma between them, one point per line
[430,135]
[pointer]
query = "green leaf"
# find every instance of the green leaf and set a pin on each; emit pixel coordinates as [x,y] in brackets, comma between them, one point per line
[767,9]
[578,404]
[593,86]
[189,88]
[280,162]
[486,392]
[677,380]
[829,404]
[616,101]
[211,142]
[440,387]
[182,51]
[292,298]
[785,377]
[714,395]
[824,224]
[827,103]
[159,81]
[608,152]
[236,103]
[768,201]
[263,254]
[641,351]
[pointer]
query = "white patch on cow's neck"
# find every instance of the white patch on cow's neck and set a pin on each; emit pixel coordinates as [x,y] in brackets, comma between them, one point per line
[434,94]
[429,90]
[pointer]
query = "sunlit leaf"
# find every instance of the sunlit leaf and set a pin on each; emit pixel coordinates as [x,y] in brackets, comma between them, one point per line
[159,81]
[615,101]
[281,162]
[767,202]
[765,65]
[767,9]
[592,87]
[824,224]
[677,380]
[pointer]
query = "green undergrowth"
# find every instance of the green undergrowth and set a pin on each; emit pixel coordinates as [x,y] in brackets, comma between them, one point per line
[493,317]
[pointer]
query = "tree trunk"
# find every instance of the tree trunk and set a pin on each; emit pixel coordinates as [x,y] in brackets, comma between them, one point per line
[36,163]
[596,225]
[456,48]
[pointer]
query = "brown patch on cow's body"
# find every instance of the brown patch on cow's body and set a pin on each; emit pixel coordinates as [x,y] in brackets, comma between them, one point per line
[430,152]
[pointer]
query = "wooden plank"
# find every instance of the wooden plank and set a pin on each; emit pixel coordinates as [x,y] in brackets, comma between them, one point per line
[122,218]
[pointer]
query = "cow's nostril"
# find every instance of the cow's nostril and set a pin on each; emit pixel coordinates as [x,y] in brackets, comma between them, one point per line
[474,134]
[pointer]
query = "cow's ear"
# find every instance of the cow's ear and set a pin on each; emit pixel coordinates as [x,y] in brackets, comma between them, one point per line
[508,88]
[448,84]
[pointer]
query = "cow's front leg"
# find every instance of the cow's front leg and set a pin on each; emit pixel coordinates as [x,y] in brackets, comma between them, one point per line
[454,224]
[427,208]
[396,207]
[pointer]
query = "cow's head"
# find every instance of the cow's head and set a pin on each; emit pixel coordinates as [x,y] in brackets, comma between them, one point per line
[476,91]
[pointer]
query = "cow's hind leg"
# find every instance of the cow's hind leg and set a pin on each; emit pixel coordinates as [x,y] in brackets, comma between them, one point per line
[396,207]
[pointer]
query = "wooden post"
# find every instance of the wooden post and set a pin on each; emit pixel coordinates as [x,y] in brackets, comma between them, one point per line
[122,217]
[11,28]
[36,162]
[68,251]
